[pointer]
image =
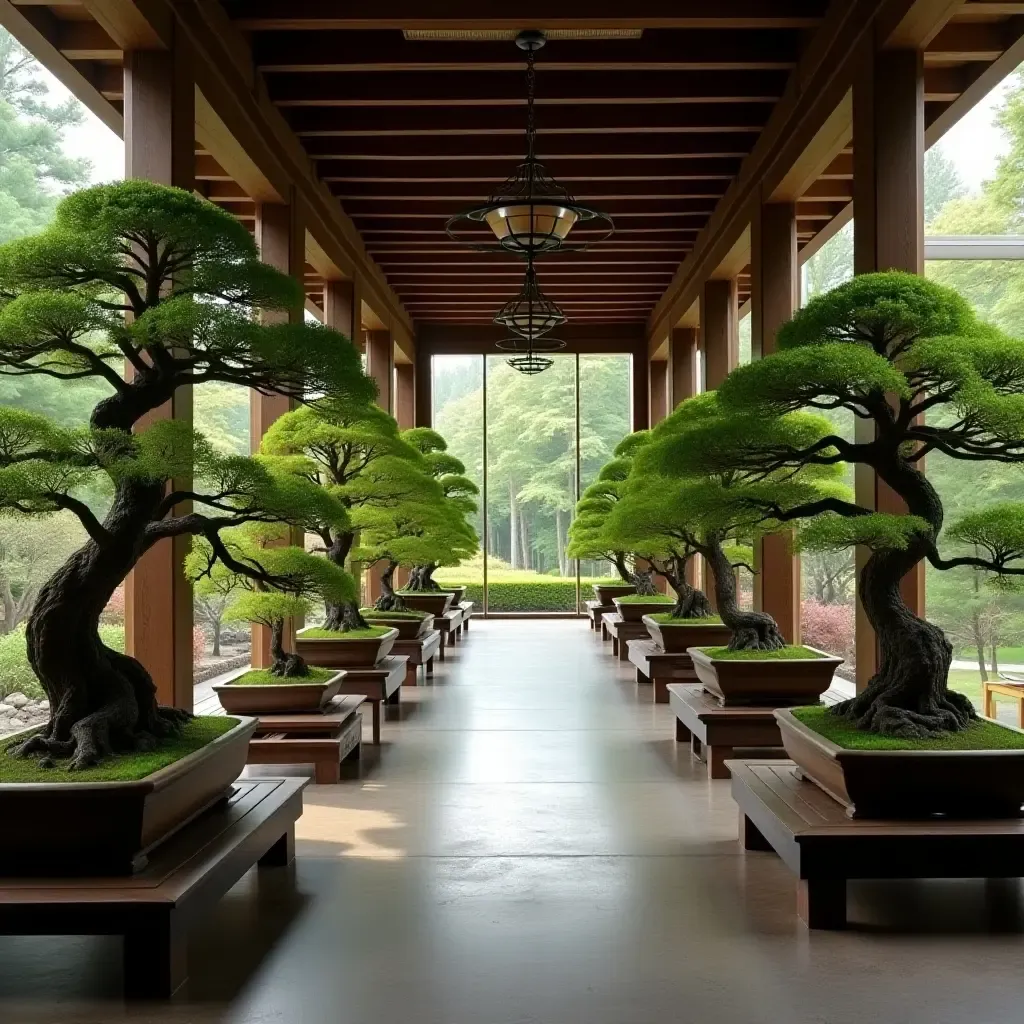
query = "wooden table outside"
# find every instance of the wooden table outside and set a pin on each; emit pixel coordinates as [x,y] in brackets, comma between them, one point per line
[1002,688]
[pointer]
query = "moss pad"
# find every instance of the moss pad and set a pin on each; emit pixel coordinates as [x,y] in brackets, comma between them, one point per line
[370,633]
[374,614]
[263,677]
[978,735]
[665,619]
[125,767]
[782,654]
[649,599]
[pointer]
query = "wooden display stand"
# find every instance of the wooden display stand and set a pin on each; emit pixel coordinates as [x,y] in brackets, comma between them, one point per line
[823,847]
[622,632]
[448,626]
[183,880]
[715,732]
[595,610]
[466,607]
[420,651]
[323,740]
[1003,688]
[380,684]
[653,665]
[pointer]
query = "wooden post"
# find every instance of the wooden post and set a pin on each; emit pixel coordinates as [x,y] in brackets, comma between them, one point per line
[684,382]
[640,377]
[774,284]
[405,395]
[281,237]
[658,375]
[343,304]
[888,234]
[380,365]
[159,145]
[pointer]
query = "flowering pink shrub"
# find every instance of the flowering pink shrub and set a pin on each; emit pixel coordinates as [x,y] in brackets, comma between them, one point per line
[829,627]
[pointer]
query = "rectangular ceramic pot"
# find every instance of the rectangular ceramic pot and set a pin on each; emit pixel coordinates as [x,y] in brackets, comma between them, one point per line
[408,629]
[634,611]
[289,697]
[459,594]
[437,602]
[607,592]
[675,639]
[110,828]
[345,653]
[908,783]
[772,682]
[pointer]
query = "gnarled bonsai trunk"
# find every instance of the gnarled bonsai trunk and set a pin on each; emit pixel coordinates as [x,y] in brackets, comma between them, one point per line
[643,580]
[619,561]
[389,600]
[344,617]
[751,631]
[691,603]
[421,578]
[285,664]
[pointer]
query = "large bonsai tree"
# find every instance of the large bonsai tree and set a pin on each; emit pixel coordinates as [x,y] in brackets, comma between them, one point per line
[459,498]
[354,450]
[687,495]
[189,278]
[891,349]
[589,533]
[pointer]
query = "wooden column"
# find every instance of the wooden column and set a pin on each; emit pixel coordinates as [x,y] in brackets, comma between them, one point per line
[405,395]
[684,382]
[720,352]
[888,234]
[343,309]
[774,297]
[159,145]
[281,237]
[640,377]
[658,376]
[380,365]
[423,384]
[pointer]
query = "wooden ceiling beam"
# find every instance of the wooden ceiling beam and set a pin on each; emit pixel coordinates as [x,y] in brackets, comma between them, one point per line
[442,88]
[486,172]
[439,211]
[207,169]
[970,41]
[86,40]
[469,193]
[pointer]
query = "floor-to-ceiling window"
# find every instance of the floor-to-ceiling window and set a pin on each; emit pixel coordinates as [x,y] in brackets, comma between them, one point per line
[531,443]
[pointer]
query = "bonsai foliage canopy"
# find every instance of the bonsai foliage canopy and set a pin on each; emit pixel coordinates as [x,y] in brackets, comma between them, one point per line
[911,360]
[191,280]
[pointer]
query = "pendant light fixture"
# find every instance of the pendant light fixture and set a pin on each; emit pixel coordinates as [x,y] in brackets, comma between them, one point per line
[531,213]
[531,313]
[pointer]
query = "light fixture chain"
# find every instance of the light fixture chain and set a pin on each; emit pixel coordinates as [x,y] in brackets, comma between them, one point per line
[531,82]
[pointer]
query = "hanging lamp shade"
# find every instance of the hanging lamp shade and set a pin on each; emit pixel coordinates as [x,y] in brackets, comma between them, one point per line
[530,364]
[531,313]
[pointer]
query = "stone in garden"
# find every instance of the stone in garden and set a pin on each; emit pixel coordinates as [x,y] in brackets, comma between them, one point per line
[6,709]
[17,700]
[44,705]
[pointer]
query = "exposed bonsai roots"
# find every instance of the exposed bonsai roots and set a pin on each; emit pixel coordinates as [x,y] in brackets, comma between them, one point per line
[751,631]
[643,580]
[389,600]
[421,579]
[343,618]
[691,603]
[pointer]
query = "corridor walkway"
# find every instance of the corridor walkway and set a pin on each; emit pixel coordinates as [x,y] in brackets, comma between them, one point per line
[530,847]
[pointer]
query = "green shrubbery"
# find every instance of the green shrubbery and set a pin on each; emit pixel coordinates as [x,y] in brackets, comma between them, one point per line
[539,594]
[16,675]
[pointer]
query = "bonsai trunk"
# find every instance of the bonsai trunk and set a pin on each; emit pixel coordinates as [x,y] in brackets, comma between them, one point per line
[751,631]
[421,578]
[389,600]
[619,561]
[643,580]
[907,696]
[285,664]
[691,603]
[101,701]
[342,618]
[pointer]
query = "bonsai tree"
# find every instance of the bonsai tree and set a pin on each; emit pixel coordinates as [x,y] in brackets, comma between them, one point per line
[686,495]
[589,535]
[281,586]
[190,277]
[892,348]
[458,494]
[353,449]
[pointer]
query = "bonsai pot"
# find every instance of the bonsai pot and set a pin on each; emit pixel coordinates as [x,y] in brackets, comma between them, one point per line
[634,611]
[459,592]
[437,602]
[109,828]
[342,652]
[908,783]
[408,629]
[765,682]
[675,639]
[287,697]
[607,592]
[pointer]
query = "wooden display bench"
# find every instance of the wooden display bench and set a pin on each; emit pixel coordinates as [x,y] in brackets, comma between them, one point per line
[715,732]
[622,632]
[448,625]
[824,848]
[595,611]
[992,688]
[420,651]
[324,739]
[654,665]
[184,878]
[466,607]
[378,685]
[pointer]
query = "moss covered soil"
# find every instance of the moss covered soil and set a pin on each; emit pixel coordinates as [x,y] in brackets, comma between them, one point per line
[782,654]
[370,633]
[263,677]
[372,613]
[666,619]
[979,735]
[123,767]
[648,599]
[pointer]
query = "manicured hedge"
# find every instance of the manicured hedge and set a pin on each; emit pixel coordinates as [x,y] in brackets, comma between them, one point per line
[554,595]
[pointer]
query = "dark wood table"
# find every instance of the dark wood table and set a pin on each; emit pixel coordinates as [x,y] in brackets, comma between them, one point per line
[595,610]
[715,732]
[622,632]
[448,625]
[378,685]
[420,651]
[466,607]
[323,739]
[184,878]
[657,666]
[824,848]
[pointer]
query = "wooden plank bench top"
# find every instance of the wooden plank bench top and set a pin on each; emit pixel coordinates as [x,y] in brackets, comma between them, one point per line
[595,612]
[622,632]
[185,876]
[420,651]
[823,847]
[448,625]
[322,740]
[657,666]
[715,732]
[466,607]
[380,684]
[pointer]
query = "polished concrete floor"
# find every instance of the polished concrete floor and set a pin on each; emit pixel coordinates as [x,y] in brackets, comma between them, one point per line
[529,846]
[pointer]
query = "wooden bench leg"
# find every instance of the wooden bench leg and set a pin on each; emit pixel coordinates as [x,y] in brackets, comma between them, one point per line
[642,677]
[429,667]
[623,651]
[155,959]
[660,691]
[683,735]
[615,646]
[440,650]
[410,674]
[696,747]
[282,853]
[375,705]
[327,772]
[751,836]
[715,757]
[821,902]
[989,701]
[395,697]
